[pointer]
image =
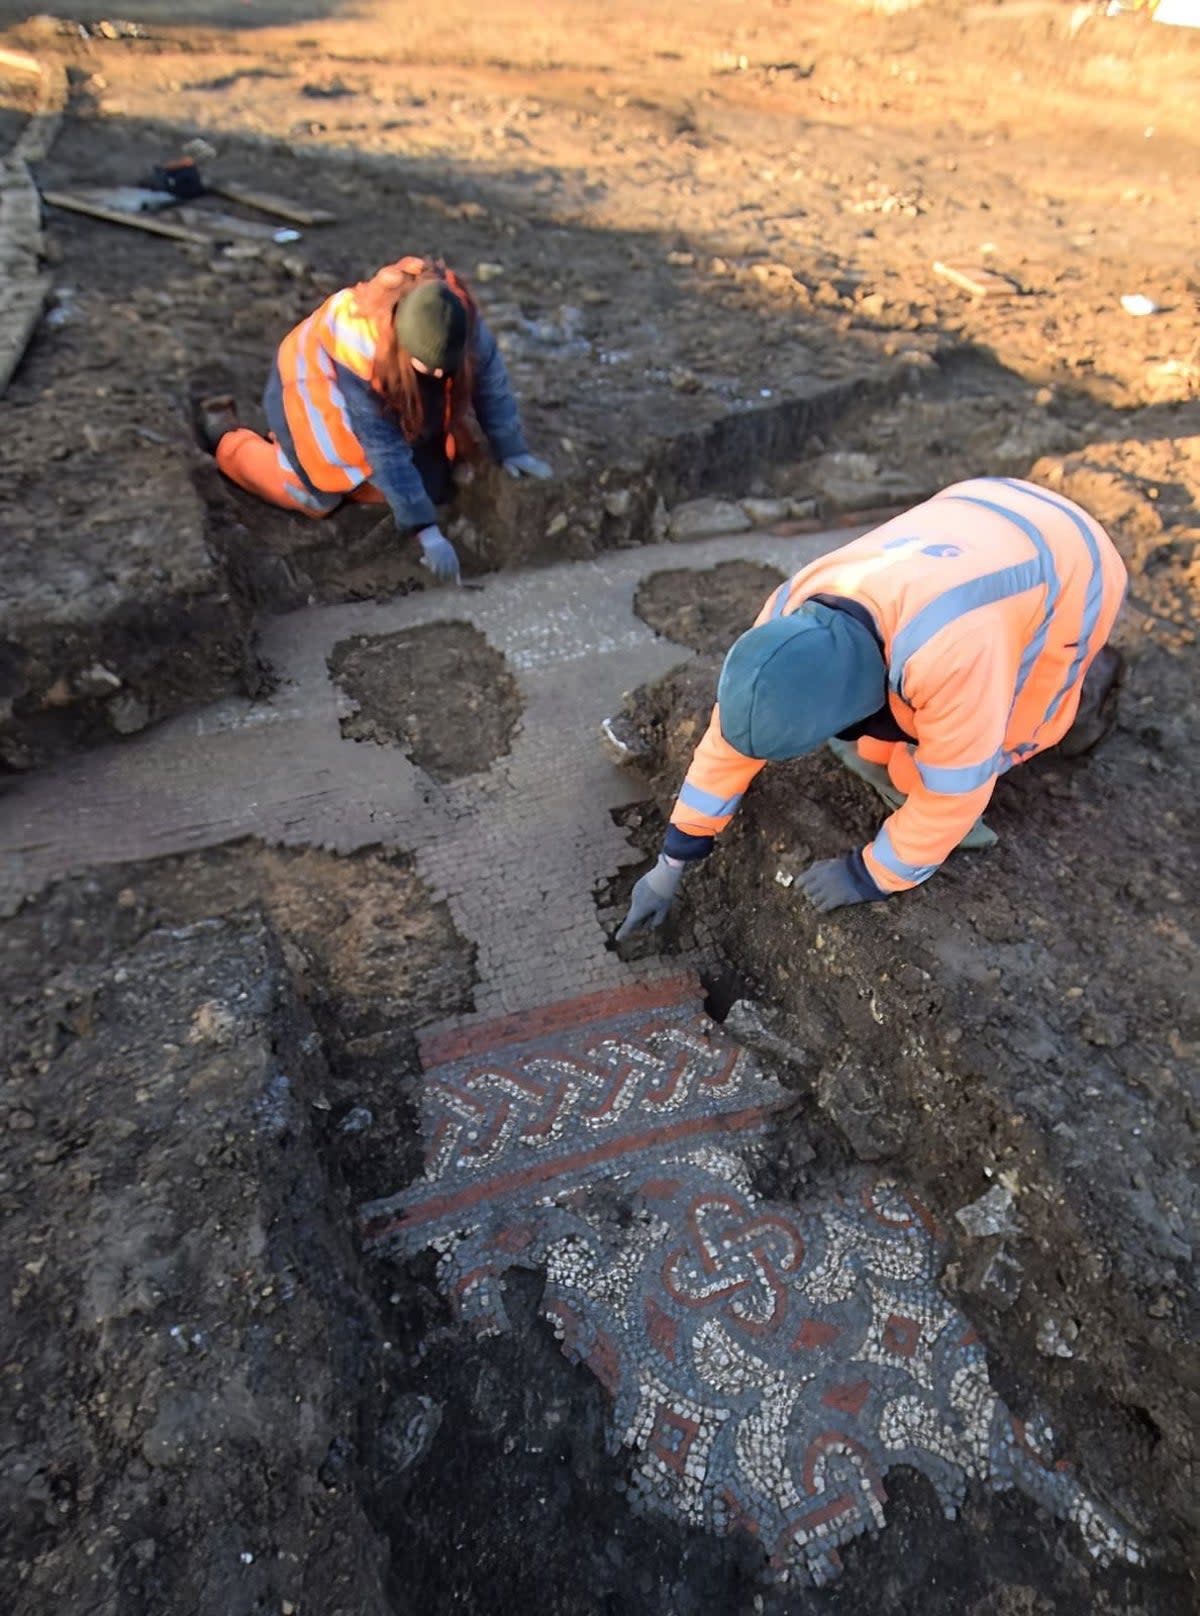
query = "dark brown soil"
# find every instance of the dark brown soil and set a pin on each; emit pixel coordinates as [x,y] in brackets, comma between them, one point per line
[706,611]
[188,1349]
[220,1411]
[1029,1016]
[663,343]
[440,691]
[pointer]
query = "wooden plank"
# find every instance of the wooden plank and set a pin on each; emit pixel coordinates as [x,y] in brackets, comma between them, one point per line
[132,221]
[226,226]
[977,280]
[267,202]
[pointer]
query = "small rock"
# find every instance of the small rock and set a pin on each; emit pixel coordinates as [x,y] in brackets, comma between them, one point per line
[706,519]
[619,503]
[766,512]
[621,741]
[488,272]
[357,1120]
[97,681]
[681,260]
[684,381]
[800,510]
[1104,1030]
[21,1121]
[407,1433]
[128,715]
[1055,1339]
[872,305]
[996,1277]
[59,693]
[212,1023]
[990,1215]
[557,524]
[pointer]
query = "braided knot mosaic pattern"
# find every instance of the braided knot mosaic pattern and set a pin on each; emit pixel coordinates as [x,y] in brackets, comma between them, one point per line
[767,1363]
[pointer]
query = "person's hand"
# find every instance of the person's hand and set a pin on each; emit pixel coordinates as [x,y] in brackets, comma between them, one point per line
[833,883]
[652,897]
[527,465]
[439,555]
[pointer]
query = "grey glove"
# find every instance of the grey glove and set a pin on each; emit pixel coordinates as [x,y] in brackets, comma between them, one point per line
[652,897]
[527,465]
[833,883]
[438,554]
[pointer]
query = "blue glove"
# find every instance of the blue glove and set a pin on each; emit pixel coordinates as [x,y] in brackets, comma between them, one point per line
[652,897]
[832,883]
[527,465]
[438,554]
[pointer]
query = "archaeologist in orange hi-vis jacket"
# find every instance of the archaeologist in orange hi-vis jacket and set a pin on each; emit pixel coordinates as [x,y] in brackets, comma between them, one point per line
[933,654]
[372,398]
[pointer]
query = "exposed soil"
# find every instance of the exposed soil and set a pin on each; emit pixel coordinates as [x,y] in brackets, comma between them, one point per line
[663,343]
[710,617]
[440,691]
[1029,1017]
[255,1422]
[185,1323]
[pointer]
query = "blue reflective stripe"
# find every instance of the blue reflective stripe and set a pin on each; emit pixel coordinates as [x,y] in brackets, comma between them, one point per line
[302,495]
[315,419]
[705,803]
[953,782]
[955,603]
[1050,578]
[1094,597]
[882,849]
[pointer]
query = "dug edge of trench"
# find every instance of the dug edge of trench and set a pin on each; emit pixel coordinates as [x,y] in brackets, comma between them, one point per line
[74,673]
[1019,1030]
[210,1059]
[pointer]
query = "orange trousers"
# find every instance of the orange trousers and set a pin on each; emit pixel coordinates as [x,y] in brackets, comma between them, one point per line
[260,466]
[896,757]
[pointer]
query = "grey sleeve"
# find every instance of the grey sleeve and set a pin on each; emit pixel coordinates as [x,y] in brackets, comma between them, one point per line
[494,402]
[393,471]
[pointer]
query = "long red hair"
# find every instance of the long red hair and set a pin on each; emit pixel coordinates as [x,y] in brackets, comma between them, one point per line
[394,376]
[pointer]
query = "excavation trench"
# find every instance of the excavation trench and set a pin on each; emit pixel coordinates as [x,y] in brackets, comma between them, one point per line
[291,1392]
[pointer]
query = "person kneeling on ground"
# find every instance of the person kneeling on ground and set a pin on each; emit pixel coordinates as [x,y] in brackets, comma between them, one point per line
[932,654]
[371,399]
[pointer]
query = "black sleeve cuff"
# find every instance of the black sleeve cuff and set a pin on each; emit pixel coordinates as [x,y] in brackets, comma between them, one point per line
[856,868]
[677,844]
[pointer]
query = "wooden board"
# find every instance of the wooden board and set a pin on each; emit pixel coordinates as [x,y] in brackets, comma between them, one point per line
[226,226]
[977,280]
[132,221]
[267,202]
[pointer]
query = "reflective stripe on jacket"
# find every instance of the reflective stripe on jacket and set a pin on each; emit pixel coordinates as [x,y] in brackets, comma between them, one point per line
[322,405]
[990,601]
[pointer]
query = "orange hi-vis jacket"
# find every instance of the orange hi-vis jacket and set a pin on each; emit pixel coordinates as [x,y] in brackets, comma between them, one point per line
[325,407]
[989,602]
[322,438]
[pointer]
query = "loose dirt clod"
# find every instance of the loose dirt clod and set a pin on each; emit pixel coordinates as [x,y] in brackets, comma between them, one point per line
[440,691]
[706,611]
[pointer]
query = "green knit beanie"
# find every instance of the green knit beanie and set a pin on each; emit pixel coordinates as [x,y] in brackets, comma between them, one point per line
[431,325]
